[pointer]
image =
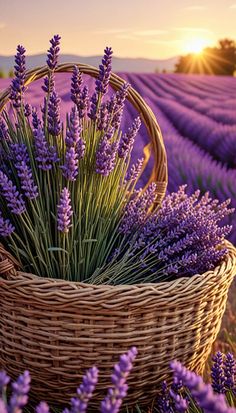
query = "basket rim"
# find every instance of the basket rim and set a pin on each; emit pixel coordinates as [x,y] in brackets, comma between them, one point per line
[227,266]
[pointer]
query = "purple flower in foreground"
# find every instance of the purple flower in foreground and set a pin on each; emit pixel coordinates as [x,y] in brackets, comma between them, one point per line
[45,155]
[93,107]
[119,105]
[49,83]
[4,380]
[24,171]
[20,390]
[217,373]
[136,210]
[229,371]
[105,157]
[27,110]
[113,400]
[181,404]
[42,408]
[76,82]
[202,393]
[36,122]
[73,135]
[127,140]
[54,124]
[11,195]
[4,135]
[6,229]
[53,52]
[64,211]
[135,171]
[102,81]
[70,167]
[79,404]
[17,85]
[3,408]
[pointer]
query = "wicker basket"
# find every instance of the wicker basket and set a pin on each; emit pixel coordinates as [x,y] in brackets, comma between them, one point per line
[57,329]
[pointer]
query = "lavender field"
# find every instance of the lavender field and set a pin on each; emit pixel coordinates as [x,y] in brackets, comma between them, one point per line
[197,116]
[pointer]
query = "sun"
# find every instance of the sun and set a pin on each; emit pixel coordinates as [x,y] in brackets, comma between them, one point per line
[195,45]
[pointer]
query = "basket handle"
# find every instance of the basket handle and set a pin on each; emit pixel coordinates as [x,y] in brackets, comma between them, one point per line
[159,172]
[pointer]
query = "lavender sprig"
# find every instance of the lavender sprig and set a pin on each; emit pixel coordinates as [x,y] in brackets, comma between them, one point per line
[24,171]
[217,373]
[8,190]
[79,404]
[229,371]
[17,85]
[6,228]
[20,389]
[46,155]
[105,157]
[76,82]
[54,124]
[64,212]
[53,52]
[113,400]
[102,81]
[127,140]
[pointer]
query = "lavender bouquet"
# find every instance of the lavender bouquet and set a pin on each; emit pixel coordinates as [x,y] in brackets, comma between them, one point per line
[69,204]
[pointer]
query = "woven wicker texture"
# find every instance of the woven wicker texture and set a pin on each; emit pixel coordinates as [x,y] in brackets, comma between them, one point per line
[59,329]
[156,146]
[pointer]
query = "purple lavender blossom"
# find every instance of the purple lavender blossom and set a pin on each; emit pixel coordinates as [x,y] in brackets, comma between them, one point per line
[93,107]
[70,167]
[79,404]
[36,122]
[136,210]
[135,171]
[181,404]
[113,400]
[4,380]
[217,373]
[27,110]
[76,82]
[229,371]
[73,136]
[11,195]
[6,229]
[42,408]
[49,83]
[20,390]
[105,157]
[24,171]
[53,52]
[17,85]
[4,134]
[64,211]
[46,155]
[119,106]
[127,140]
[164,400]
[54,124]
[102,117]
[102,81]
[84,102]
[3,407]
[203,393]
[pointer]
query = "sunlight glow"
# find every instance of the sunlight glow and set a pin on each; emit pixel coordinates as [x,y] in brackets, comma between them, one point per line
[195,45]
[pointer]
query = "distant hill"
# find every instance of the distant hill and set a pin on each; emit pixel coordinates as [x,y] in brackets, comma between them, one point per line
[119,64]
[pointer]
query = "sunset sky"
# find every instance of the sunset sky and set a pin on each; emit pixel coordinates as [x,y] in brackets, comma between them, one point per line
[134,28]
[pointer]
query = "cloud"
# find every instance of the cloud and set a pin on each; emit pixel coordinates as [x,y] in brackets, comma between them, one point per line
[149,32]
[192,29]
[2,25]
[195,8]
[110,31]
[233,7]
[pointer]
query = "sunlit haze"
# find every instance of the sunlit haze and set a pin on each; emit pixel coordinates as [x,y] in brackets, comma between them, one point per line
[134,28]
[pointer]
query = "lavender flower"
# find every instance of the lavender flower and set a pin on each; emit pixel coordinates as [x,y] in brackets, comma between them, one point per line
[64,211]
[70,167]
[27,110]
[104,72]
[11,195]
[42,408]
[54,125]
[119,106]
[45,155]
[53,52]
[217,373]
[102,118]
[76,82]
[17,85]
[20,389]
[4,134]
[49,83]
[93,107]
[229,371]
[24,171]
[83,103]
[180,404]
[127,140]
[164,400]
[4,380]
[6,229]
[3,408]
[136,210]
[35,120]
[105,157]
[203,393]
[113,400]
[79,404]
[135,171]
[73,137]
